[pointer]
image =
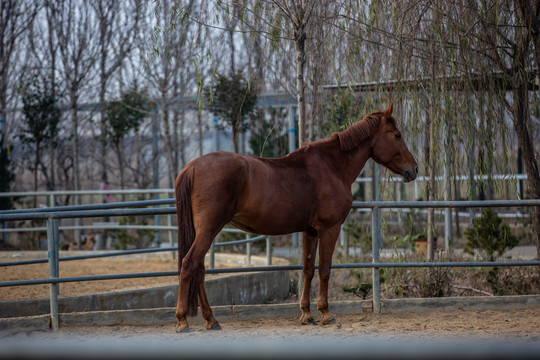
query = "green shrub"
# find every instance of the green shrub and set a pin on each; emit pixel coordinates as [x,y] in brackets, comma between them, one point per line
[489,236]
[361,289]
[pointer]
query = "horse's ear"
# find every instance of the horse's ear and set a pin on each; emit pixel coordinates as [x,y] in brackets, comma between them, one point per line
[388,111]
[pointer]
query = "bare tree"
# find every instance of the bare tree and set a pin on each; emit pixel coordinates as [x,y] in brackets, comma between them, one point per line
[118,24]
[43,45]
[16,17]
[506,34]
[75,28]
[171,55]
[299,15]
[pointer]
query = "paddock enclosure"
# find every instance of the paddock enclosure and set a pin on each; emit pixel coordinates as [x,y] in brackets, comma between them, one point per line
[53,259]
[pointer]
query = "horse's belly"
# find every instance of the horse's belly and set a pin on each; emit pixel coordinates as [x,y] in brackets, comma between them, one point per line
[269,225]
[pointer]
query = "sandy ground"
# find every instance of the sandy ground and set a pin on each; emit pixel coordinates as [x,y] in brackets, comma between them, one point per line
[100,266]
[456,334]
[523,324]
[395,335]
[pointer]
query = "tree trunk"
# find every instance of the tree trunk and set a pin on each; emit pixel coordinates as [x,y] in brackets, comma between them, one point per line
[168,145]
[199,126]
[299,46]
[76,175]
[120,166]
[530,11]
[36,167]
[235,139]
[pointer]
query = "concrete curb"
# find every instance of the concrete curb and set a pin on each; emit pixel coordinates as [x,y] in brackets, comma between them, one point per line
[165,316]
[248,288]
[473,303]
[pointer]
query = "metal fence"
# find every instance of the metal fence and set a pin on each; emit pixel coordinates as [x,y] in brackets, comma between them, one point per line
[52,216]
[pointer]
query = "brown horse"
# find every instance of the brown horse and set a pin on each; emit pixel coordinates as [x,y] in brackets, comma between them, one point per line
[307,191]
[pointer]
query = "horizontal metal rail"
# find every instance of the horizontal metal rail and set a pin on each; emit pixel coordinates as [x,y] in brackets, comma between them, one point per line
[245,241]
[271,268]
[117,205]
[87,213]
[90,256]
[61,214]
[445,204]
[85,192]
[391,178]
[123,252]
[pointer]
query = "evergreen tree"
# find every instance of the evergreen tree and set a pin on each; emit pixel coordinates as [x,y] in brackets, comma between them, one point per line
[6,175]
[122,117]
[39,125]
[233,99]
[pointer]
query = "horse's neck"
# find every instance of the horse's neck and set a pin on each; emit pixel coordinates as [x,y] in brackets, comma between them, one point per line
[355,160]
[348,164]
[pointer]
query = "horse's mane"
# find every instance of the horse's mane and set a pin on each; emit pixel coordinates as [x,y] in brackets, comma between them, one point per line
[357,133]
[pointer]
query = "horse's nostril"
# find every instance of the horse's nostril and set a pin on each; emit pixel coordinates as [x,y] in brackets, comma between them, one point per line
[416,170]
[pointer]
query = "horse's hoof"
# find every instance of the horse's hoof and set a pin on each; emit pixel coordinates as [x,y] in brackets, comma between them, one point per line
[308,321]
[213,326]
[329,321]
[182,329]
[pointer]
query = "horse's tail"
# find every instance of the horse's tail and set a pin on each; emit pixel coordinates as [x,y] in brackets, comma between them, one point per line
[186,232]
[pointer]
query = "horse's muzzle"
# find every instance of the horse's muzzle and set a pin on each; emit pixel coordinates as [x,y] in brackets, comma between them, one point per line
[409,173]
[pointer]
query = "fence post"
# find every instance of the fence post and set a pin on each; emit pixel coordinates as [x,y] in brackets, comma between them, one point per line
[52,246]
[248,250]
[268,250]
[155,169]
[375,238]
[448,235]
[212,260]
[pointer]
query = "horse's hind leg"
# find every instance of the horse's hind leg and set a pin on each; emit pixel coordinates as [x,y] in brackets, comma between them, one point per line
[192,264]
[206,311]
[309,240]
[207,225]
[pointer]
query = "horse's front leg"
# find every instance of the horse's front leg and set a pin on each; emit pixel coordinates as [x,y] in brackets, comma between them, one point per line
[328,238]
[309,240]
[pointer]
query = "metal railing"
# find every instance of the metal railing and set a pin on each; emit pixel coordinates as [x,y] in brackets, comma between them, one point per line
[97,210]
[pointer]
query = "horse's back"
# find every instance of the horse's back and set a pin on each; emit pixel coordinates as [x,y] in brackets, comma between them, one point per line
[260,195]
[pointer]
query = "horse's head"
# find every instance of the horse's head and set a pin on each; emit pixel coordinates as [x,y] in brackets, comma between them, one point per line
[389,149]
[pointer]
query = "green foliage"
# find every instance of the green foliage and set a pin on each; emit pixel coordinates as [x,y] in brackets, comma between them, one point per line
[407,241]
[6,175]
[489,235]
[358,236]
[361,289]
[341,111]
[412,225]
[41,116]
[232,100]
[126,114]
[270,140]
[512,281]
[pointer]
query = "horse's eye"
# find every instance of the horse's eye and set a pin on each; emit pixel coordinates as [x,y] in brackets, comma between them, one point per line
[398,136]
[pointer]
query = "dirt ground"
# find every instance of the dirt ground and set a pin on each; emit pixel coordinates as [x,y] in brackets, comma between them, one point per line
[427,335]
[523,324]
[493,327]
